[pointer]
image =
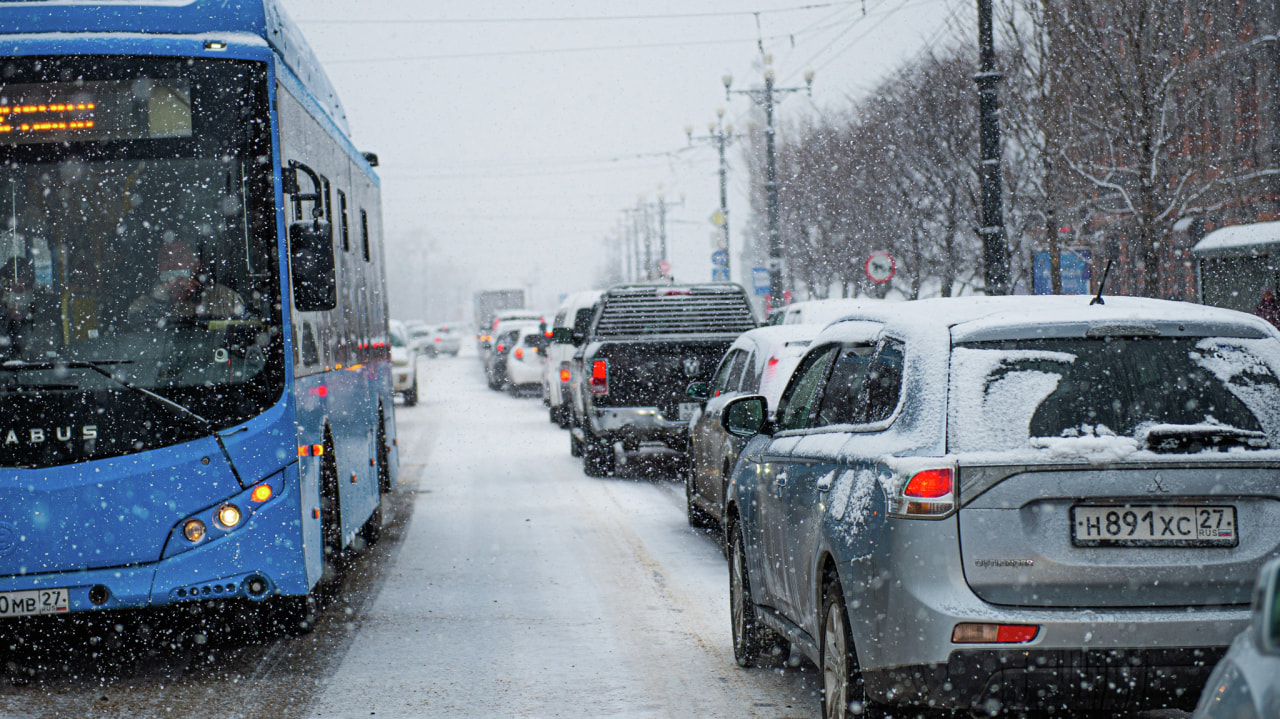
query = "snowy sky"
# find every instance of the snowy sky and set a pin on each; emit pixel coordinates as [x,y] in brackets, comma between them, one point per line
[513,133]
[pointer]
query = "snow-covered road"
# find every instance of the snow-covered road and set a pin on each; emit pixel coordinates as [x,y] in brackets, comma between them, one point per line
[524,588]
[507,584]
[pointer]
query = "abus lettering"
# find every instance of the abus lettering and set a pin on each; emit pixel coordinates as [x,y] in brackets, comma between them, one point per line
[38,435]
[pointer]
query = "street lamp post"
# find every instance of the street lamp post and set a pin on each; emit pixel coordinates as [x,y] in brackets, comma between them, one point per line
[995,246]
[765,99]
[721,135]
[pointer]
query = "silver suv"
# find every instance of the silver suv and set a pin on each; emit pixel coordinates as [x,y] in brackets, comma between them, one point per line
[1006,504]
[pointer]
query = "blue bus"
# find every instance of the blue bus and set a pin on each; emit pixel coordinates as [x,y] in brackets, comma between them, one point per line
[195,386]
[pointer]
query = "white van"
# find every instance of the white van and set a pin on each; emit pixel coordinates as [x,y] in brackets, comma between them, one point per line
[570,323]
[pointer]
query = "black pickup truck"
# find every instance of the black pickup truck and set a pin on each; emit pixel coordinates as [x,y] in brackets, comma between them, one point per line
[644,346]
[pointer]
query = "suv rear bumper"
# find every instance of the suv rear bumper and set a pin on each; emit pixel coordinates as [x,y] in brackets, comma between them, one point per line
[1082,651]
[633,425]
[991,681]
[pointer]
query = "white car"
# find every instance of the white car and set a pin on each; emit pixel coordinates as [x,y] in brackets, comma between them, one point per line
[571,321]
[443,340]
[525,359]
[404,364]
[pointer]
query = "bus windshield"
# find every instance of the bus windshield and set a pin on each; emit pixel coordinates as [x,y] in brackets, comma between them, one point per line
[138,253]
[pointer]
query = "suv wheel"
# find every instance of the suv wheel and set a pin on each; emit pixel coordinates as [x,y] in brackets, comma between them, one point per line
[843,694]
[698,519]
[597,458]
[754,645]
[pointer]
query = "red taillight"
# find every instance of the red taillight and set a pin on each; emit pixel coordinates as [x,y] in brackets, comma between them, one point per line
[929,484]
[436,339]
[599,377]
[502,348]
[925,493]
[974,633]
[773,361]
[565,374]
[519,353]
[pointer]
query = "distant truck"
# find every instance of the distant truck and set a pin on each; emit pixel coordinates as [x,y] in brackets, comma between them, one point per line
[643,347]
[488,303]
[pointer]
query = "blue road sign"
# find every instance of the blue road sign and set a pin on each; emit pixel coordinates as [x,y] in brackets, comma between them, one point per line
[760,280]
[719,274]
[1075,273]
[719,258]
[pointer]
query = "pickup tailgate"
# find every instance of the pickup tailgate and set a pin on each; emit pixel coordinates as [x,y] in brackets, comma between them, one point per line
[655,373]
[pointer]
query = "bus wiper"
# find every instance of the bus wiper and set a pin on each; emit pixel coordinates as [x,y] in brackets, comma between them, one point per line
[100,366]
[1195,437]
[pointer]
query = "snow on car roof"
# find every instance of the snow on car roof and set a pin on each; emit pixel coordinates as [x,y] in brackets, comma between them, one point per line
[975,317]
[774,335]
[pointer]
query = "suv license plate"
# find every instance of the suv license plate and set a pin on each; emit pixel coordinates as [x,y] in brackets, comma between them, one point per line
[34,601]
[1154,525]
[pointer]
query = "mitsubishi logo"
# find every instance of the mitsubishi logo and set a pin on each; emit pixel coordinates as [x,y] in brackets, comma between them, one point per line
[1156,486]
[691,365]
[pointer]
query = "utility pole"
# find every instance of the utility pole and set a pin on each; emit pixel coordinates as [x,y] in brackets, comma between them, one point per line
[995,246]
[642,210]
[765,99]
[721,135]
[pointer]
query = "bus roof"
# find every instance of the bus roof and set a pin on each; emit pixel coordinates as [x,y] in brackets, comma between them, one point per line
[263,18]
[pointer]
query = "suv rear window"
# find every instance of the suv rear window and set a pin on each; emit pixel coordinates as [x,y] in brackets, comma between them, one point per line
[1168,394]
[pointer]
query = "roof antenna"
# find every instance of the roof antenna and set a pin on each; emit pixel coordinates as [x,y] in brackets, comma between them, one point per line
[1097,300]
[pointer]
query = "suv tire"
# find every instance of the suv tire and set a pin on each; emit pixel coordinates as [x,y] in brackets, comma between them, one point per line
[838,662]
[754,645]
[597,458]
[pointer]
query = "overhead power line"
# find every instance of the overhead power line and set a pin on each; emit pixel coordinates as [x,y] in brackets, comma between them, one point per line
[546,51]
[579,18]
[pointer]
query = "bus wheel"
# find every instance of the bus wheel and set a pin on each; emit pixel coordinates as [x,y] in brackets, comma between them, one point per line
[371,532]
[384,455]
[330,517]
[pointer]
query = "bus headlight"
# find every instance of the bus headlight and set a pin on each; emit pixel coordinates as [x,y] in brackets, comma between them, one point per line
[193,530]
[229,515]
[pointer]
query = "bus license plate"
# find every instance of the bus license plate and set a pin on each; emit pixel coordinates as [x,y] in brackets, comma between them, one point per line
[34,601]
[1154,526]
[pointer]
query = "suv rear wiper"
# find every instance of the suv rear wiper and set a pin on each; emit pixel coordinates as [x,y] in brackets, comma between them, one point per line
[1194,437]
[99,366]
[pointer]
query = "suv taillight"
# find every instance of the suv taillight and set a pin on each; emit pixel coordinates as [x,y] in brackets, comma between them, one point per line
[565,372]
[599,377]
[925,493]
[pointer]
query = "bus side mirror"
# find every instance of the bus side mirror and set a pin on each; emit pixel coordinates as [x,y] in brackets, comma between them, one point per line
[1266,609]
[312,266]
[746,416]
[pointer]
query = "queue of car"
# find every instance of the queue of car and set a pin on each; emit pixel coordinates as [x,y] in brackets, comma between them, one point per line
[980,505]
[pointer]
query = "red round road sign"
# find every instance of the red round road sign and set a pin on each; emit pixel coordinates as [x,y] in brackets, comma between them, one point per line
[880,267]
[664,267]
